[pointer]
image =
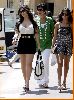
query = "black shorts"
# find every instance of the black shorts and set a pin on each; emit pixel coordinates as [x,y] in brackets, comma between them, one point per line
[26,45]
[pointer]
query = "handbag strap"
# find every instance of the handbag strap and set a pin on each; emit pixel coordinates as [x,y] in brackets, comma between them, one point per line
[39,56]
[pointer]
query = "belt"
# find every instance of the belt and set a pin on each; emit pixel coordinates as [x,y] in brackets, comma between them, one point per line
[26,36]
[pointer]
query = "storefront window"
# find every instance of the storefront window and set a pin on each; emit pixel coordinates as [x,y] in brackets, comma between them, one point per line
[9,3]
[9,24]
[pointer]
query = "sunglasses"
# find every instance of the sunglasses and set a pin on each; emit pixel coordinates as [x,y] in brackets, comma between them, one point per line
[64,14]
[40,9]
[22,11]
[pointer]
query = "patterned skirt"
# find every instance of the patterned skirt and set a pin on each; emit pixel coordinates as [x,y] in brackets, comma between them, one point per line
[64,47]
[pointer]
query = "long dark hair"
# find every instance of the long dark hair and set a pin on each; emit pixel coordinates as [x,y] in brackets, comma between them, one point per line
[70,19]
[30,15]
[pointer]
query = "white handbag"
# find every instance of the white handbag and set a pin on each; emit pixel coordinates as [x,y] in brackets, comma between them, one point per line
[39,68]
[53,59]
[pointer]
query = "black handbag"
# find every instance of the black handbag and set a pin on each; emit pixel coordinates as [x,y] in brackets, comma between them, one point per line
[39,68]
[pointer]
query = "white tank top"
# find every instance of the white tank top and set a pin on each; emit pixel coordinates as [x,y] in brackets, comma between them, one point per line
[24,30]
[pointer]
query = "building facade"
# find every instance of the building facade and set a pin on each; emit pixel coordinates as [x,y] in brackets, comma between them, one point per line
[54,5]
[13,4]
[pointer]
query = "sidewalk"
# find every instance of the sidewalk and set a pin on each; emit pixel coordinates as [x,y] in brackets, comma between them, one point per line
[11,83]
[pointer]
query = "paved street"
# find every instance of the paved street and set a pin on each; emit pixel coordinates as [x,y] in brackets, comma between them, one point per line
[11,83]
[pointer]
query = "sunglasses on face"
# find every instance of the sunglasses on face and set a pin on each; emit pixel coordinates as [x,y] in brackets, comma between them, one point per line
[64,14]
[22,11]
[40,9]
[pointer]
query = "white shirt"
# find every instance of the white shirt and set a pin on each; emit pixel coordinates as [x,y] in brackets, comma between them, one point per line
[24,30]
[42,25]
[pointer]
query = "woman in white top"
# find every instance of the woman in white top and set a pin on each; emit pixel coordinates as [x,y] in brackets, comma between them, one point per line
[27,30]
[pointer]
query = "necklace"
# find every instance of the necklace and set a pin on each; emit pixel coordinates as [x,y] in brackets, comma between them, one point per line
[43,28]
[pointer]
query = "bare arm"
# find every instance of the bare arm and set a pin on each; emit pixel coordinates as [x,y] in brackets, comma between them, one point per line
[16,34]
[15,38]
[37,38]
[55,34]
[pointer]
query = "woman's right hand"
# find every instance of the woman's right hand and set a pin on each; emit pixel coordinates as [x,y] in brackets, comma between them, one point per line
[14,42]
[39,48]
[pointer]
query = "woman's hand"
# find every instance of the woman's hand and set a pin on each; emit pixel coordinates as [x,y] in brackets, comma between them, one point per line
[39,47]
[15,39]
[14,42]
[53,49]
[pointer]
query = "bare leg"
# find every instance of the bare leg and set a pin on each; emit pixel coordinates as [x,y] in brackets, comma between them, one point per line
[59,70]
[23,64]
[29,60]
[66,67]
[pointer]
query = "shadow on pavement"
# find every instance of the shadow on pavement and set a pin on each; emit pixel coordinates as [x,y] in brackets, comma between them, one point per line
[16,68]
[2,72]
[51,88]
[4,65]
[56,88]
[66,91]
[40,92]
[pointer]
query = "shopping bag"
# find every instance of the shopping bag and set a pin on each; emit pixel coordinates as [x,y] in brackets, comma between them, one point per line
[39,67]
[53,59]
[9,54]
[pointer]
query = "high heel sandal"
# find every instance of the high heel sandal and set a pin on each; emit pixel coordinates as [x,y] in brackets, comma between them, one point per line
[63,86]
[26,89]
[59,86]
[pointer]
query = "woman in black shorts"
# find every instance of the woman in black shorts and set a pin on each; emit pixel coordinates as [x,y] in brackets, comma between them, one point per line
[63,42]
[27,33]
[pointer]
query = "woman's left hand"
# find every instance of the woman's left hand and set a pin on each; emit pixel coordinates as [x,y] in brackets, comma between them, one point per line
[53,49]
[39,47]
